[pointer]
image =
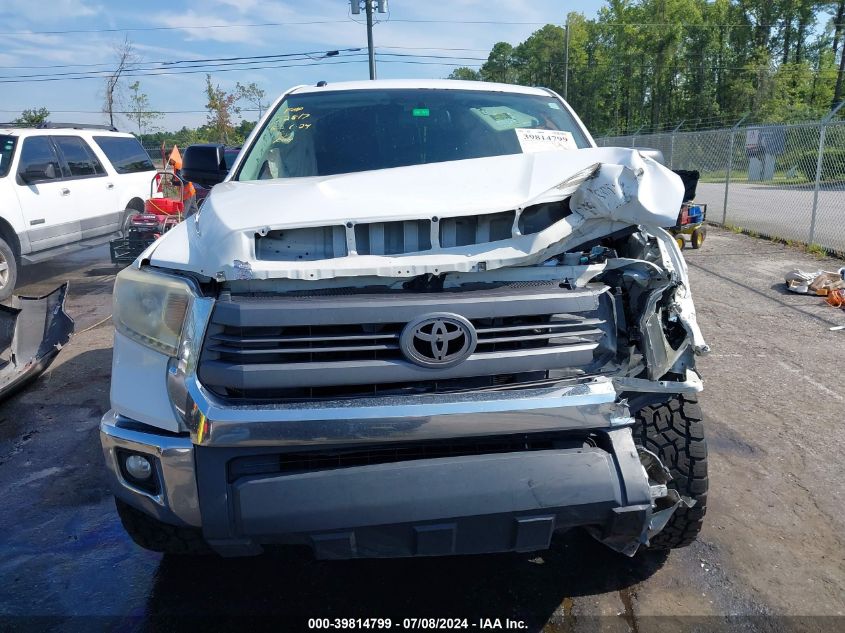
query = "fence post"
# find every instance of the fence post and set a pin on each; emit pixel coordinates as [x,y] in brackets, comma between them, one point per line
[634,137]
[819,165]
[672,145]
[730,167]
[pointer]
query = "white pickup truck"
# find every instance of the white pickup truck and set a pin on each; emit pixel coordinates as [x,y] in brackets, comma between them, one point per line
[416,318]
[64,187]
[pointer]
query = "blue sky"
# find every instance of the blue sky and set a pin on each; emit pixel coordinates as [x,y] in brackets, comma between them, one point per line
[81,100]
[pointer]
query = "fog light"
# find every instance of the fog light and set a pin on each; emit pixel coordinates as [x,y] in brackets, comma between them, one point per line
[138,467]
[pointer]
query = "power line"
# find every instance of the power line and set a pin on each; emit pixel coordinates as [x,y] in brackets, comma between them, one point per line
[170,62]
[479,59]
[100,74]
[110,65]
[248,63]
[409,61]
[158,73]
[223,70]
[434,48]
[451,61]
[134,29]
[200,27]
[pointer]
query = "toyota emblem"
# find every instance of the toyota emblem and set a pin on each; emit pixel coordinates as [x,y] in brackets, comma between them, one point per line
[438,340]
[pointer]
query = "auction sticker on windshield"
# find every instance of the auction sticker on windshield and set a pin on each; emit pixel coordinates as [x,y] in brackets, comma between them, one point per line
[533,140]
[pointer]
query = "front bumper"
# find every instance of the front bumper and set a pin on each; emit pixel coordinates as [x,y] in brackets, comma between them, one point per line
[588,404]
[457,504]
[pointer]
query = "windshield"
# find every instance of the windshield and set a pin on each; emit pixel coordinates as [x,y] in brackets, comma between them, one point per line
[7,151]
[323,133]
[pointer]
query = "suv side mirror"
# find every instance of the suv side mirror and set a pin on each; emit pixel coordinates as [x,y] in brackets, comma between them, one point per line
[204,164]
[37,172]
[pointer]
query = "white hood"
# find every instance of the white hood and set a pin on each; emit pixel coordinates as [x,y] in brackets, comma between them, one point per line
[610,187]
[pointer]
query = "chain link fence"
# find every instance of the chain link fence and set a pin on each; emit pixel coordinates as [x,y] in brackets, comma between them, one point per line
[154,152]
[780,181]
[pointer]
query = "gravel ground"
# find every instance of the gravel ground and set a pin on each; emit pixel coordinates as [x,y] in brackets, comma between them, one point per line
[771,557]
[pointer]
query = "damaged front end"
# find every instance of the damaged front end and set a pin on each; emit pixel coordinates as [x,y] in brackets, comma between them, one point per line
[32,332]
[555,315]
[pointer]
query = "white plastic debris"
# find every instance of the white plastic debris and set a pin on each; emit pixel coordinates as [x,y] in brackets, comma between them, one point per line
[799,281]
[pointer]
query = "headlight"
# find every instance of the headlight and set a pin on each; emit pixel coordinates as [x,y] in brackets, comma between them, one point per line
[150,308]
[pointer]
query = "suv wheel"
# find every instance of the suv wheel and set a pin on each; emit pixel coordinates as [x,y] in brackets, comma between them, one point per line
[674,431]
[157,536]
[8,270]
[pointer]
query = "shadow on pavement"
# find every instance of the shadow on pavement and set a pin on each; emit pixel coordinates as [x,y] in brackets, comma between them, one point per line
[74,265]
[284,588]
[747,287]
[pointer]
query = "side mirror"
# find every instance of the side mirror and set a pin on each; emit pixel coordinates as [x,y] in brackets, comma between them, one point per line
[654,154]
[37,172]
[204,164]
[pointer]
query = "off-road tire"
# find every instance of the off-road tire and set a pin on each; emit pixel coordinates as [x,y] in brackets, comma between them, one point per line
[10,279]
[681,242]
[674,431]
[697,237]
[157,536]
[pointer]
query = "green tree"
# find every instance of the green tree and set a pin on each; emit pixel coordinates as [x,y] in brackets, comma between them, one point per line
[33,116]
[650,64]
[222,108]
[139,109]
[465,73]
[499,66]
[252,94]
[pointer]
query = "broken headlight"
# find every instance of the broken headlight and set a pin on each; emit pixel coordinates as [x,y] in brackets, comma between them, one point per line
[150,308]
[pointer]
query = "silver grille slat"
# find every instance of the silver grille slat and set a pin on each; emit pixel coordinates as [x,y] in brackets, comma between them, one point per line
[257,345]
[538,326]
[245,340]
[540,337]
[299,350]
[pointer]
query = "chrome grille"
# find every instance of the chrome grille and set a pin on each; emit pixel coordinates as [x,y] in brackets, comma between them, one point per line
[309,344]
[265,344]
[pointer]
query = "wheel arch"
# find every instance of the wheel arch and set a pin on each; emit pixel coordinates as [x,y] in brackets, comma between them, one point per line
[135,203]
[8,233]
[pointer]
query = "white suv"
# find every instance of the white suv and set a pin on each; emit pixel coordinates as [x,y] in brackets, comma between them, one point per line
[64,187]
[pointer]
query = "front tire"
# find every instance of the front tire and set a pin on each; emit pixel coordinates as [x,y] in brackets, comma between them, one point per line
[157,536]
[8,270]
[674,431]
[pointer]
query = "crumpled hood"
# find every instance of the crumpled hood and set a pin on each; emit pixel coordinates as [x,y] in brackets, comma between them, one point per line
[612,187]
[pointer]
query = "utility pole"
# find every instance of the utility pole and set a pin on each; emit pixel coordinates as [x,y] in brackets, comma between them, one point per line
[369,6]
[381,5]
[566,63]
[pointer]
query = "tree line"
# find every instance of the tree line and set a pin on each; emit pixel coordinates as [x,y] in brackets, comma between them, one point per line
[638,66]
[648,65]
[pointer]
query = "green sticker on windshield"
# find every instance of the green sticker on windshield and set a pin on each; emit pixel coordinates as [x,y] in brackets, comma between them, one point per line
[420,112]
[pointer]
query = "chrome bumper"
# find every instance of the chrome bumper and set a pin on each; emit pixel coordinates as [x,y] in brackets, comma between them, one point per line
[177,501]
[591,404]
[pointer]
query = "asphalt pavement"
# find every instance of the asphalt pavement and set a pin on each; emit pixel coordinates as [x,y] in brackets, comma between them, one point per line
[771,556]
[778,210]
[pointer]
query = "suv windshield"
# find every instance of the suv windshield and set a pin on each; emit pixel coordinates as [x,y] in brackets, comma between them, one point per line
[323,133]
[7,151]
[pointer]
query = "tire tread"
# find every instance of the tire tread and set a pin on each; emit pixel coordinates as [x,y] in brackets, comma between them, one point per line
[674,431]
